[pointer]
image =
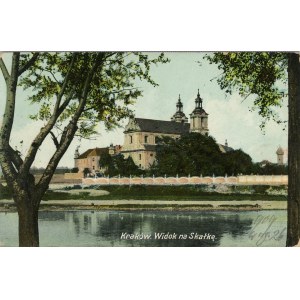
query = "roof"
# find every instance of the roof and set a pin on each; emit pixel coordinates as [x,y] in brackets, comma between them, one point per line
[93,152]
[159,126]
[199,111]
[225,149]
[280,151]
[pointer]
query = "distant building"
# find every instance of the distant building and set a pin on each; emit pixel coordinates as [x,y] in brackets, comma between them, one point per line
[264,163]
[282,156]
[141,136]
[225,148]
[90,158]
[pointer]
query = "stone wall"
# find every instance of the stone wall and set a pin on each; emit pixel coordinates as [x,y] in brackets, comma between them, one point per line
[78,175]
[242,180]
[263,179]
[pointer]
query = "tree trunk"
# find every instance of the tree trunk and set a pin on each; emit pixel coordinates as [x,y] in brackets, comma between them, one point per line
[293,226]
[28,226]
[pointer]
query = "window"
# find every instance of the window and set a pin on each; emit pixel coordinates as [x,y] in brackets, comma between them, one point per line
[130,139]
[151,154]
[140,156]
[140,165]
[146,139]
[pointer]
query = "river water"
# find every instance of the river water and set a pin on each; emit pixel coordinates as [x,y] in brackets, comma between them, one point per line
[120,228]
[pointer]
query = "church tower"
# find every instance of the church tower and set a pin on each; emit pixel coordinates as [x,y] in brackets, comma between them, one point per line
[280,154]
[199,118]
[179,116]
[76,155]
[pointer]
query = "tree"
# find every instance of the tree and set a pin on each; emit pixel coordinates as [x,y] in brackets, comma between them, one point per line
[118,165]
[271,77]
[74,170]
[195,154]
[86,172]
[238,162]
[74,91]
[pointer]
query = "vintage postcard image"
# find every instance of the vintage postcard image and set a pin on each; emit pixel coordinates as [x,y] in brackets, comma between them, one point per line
[149,149]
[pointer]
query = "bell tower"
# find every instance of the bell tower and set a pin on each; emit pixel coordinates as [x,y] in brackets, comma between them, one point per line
[76,155]
[179,116]
[280,154]
[199,117]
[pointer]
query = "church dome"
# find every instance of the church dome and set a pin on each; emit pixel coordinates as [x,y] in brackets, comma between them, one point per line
[179,115]
[199,109]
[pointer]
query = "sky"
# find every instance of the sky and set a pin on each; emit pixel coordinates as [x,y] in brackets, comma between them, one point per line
[229,116]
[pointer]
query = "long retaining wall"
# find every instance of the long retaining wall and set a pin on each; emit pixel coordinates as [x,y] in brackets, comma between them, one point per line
[243,180]
[73,175]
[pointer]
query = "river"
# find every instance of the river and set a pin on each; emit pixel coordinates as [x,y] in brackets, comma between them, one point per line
[121,228]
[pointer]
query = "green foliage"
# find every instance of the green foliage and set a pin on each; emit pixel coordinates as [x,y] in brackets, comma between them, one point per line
[118,165]
[196,154]
[86,171]
[271,169]
[262,74]
[5,192]
[110,93]
[148,192]
[238,162]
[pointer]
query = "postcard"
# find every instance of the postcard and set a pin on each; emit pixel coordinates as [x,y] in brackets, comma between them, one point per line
[148,149]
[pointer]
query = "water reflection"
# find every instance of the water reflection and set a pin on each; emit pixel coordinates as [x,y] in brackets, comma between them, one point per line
[89,228]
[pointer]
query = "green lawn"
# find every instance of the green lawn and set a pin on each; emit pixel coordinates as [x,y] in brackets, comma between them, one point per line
[142,192]
[186,192]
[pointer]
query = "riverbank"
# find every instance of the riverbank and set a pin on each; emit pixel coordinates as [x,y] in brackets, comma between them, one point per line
[169,205]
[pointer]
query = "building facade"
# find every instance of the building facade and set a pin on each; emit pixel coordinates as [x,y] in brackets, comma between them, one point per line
[90,159]
[282,156]
[141,135]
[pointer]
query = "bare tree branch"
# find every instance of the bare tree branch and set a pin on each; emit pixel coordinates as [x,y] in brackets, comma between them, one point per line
[53,76]
[30,62]
[7,157]
[15,158]
[65,103]
[57,109]
[9,111]
[55,141]
[66,80]
[4,71]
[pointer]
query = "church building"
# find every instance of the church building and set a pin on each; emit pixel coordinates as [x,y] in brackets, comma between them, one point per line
[140,135]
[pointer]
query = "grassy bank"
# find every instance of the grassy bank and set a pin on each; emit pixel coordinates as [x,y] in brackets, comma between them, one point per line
[187,192]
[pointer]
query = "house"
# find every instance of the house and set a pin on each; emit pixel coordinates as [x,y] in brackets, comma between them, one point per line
[90,158]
